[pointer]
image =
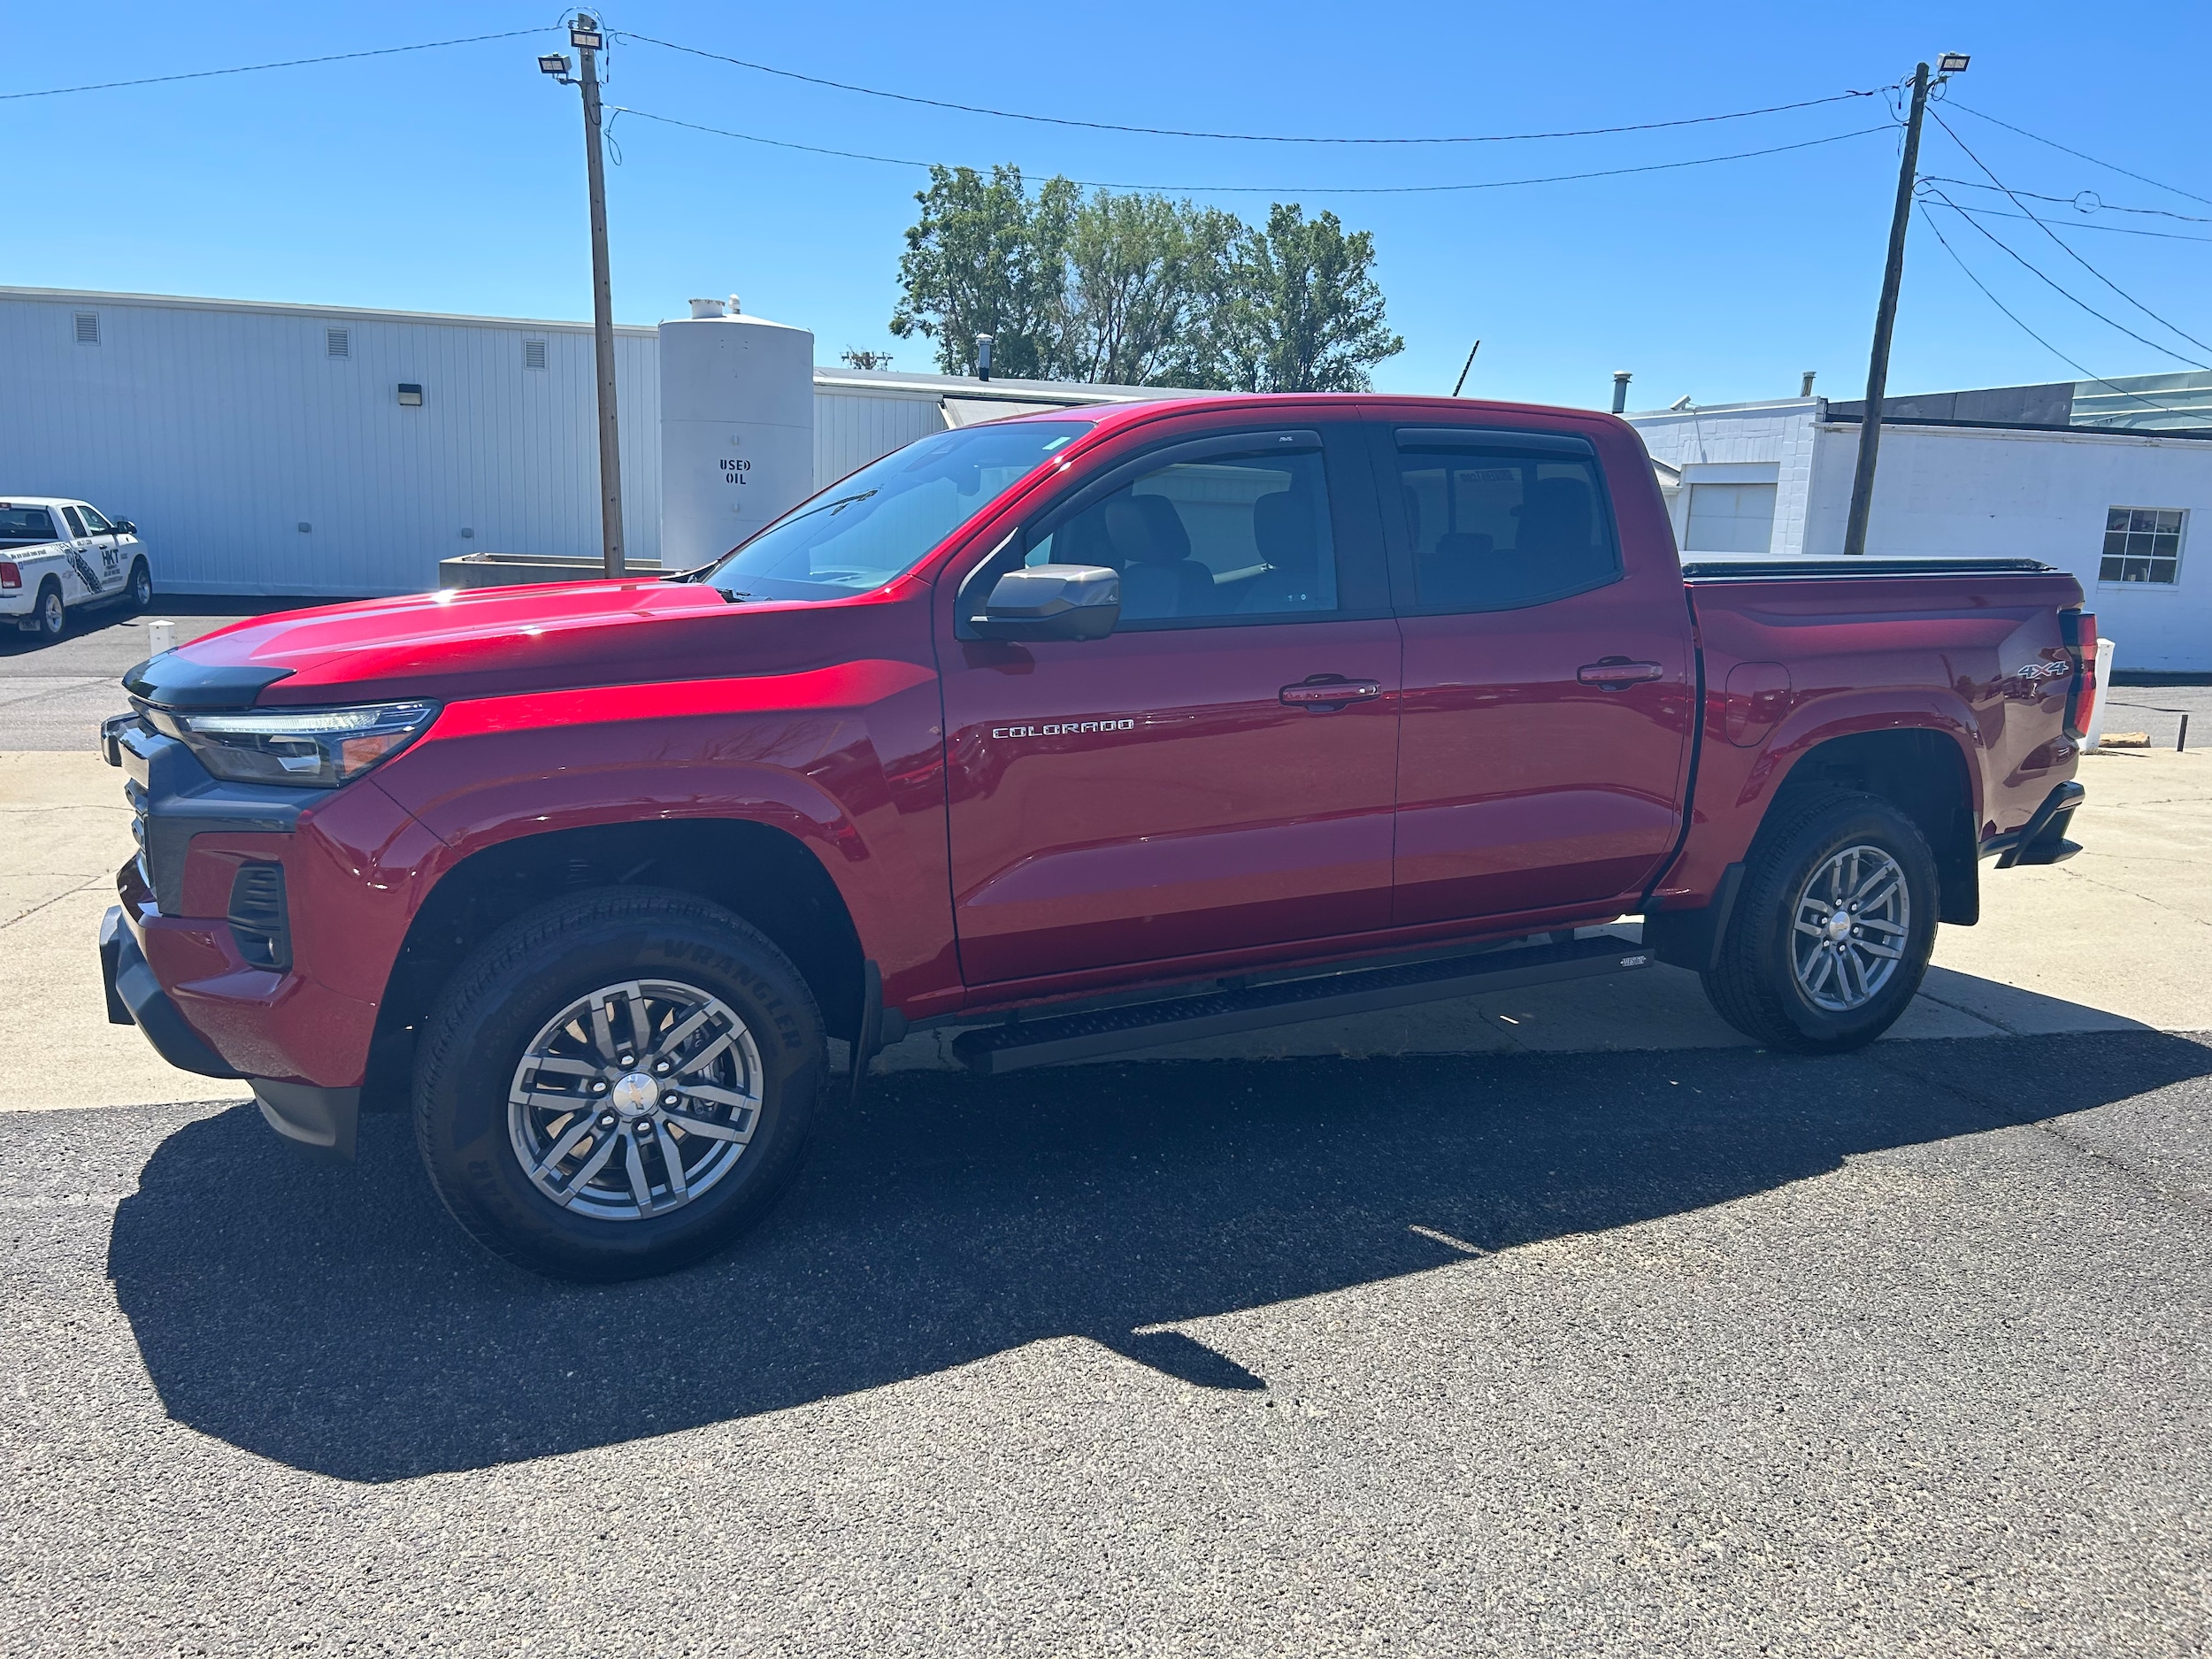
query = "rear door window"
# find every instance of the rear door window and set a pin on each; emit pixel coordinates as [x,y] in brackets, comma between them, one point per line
[19,525]
[1498,521]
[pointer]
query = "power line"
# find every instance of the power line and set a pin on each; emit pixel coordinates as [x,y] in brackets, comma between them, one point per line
[2039,275]
[288,62]
[1968,271]
[2078,154]
[2097,203]
[2064,248]
[1275,189]
[1247,138]
[2108,230]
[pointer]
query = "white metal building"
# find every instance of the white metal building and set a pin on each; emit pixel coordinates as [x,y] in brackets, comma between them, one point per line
[275,449]
[2117,506]
[269,448]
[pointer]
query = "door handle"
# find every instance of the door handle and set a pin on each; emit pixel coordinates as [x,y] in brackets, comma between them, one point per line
[1616,671]
[1326,693]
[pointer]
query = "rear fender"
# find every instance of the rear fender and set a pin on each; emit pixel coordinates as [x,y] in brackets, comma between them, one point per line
[1736,786]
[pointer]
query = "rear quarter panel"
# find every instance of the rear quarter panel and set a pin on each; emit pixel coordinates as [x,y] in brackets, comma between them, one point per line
[1873,654]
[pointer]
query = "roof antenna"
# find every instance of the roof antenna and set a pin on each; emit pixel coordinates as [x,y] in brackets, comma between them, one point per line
[1465,366]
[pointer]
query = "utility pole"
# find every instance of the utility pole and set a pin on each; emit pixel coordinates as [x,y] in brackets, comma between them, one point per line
[584,35]
[1885,315]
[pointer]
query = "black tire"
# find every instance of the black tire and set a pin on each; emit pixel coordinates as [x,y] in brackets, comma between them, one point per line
[500,1002]
[1757,985]
[141,586]
[50,617]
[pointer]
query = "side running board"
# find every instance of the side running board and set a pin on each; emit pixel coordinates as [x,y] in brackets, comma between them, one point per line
[1081,1036]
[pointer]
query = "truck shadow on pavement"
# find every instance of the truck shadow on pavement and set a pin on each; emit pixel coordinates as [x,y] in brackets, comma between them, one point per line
[334,1320]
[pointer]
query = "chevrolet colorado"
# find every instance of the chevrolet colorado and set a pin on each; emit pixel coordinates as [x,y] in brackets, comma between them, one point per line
[1084,731]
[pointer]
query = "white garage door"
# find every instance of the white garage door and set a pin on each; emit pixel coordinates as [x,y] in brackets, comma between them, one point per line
[1730,519]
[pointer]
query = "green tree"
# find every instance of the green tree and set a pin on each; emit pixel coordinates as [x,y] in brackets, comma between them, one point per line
[1304,314]
[987,258]
[1145,280]
[1137,290]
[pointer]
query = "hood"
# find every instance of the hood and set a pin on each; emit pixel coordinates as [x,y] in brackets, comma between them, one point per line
[486,642]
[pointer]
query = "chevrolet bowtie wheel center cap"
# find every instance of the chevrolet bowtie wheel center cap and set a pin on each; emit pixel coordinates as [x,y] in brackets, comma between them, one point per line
[633,1095]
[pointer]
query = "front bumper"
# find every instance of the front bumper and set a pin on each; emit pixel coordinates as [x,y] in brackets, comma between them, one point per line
[322,1121]
[135,998]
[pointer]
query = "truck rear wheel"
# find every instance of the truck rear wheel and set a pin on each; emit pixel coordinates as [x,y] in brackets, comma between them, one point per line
[50,621]
[1832,927]
[618,1084]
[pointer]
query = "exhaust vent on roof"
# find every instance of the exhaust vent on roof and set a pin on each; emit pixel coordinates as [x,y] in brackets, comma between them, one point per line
[338,342]
[88,328]
[533,354]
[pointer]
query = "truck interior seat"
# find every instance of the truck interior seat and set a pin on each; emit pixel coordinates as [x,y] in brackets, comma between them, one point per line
[1159,577]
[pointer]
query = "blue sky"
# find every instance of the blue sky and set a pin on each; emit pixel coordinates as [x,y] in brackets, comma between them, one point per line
[452,179]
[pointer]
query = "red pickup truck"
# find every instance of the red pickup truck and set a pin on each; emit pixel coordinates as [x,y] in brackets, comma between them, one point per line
[1084,732]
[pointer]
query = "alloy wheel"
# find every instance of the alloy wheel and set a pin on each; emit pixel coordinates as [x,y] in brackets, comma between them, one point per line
[636,1100]
[1850,927]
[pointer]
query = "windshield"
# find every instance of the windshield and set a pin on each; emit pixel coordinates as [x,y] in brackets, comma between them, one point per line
[880,522]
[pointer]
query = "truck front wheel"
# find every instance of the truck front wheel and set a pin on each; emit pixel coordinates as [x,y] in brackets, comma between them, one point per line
[1832,927]
[618,1084]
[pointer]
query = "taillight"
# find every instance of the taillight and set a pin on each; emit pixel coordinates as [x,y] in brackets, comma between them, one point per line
[2079,630]
[10,574]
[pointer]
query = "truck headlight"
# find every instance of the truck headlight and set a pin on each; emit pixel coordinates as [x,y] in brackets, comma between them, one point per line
[309,748]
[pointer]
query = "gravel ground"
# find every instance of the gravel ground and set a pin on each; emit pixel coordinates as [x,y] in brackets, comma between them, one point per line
[1700,1352]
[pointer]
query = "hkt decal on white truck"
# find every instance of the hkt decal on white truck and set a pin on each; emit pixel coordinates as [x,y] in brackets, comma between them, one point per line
[58,556]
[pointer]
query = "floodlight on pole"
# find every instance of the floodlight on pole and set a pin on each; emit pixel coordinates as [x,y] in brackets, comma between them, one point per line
[585,36]
[1952,63]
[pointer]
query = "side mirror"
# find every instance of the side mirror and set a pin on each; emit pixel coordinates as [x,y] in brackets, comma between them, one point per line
[1052,601]
[124,526]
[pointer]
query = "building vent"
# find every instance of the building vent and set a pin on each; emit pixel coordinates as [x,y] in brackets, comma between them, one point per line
[338,342]
[533,354]
[88,328]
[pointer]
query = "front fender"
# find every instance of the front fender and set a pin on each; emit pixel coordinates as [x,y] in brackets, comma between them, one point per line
[848,760]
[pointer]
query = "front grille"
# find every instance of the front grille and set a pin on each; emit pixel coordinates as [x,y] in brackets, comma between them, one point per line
[260,920]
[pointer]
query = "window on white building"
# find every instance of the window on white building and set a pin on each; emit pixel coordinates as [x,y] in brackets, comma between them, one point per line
[2142,544]
[1730,519]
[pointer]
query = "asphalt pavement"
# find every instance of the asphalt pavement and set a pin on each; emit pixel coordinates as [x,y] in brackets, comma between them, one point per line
[1424,1349]
[53,698]
[1707,1353]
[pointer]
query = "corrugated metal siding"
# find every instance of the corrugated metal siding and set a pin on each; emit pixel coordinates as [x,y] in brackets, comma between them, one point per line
[220,430]
[852,428]
[221,426]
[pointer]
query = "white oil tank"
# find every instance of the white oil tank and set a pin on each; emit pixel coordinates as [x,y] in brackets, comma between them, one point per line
[737,428]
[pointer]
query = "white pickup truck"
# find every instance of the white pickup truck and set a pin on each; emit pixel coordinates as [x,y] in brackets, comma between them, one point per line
[59,556]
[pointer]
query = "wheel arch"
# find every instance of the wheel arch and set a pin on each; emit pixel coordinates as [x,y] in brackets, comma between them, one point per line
[760,872]
[1920,770]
